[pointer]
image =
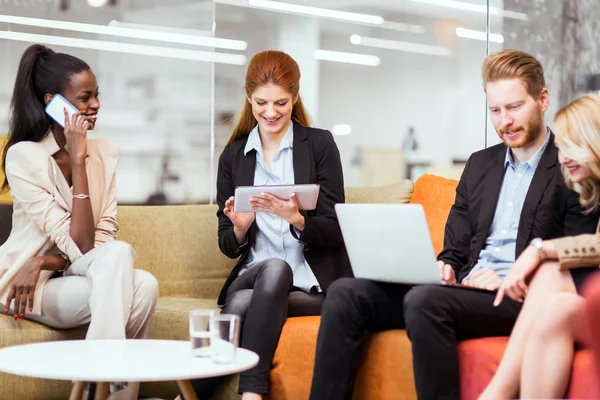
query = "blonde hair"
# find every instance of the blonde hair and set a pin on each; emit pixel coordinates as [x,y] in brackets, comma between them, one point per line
[577,129]
[514,64]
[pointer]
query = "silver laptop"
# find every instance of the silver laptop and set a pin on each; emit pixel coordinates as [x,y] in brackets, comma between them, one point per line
[389,242]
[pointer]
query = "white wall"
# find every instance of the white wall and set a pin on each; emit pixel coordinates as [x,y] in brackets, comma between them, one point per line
[440,96]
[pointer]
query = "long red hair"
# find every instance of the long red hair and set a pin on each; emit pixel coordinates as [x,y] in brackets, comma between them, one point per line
[270,67]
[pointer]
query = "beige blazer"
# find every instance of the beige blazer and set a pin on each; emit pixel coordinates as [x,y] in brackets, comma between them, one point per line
[42,204]
[579,251]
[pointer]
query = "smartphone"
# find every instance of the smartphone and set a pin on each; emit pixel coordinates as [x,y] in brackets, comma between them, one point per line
[56,109]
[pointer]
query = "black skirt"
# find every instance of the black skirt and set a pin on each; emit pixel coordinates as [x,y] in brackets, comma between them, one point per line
[580,275]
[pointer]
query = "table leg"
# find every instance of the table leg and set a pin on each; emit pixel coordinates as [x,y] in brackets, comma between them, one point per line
[77,391]
[187,390]
[102,391]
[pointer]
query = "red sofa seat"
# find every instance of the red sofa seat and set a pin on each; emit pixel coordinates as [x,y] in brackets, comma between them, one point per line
[479,359]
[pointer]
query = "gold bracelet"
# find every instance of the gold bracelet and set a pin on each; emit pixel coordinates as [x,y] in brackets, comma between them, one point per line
[81,196]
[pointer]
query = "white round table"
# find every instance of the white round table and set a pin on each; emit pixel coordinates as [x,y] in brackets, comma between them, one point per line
[106,361]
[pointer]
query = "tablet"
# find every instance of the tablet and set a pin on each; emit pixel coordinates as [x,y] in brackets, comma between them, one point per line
[306,194]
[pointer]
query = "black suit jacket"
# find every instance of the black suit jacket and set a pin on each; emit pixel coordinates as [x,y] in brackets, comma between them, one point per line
[550,209]
[316,160]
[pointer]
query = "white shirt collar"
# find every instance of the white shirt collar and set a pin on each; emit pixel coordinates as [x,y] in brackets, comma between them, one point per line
[254,143]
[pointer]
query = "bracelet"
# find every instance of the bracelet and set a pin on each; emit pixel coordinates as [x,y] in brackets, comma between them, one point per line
[81,196]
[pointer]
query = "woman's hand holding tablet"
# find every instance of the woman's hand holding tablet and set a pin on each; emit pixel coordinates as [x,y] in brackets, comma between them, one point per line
[306,197]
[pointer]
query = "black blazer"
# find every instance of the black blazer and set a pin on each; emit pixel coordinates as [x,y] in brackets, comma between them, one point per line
[550,209]
[316,160]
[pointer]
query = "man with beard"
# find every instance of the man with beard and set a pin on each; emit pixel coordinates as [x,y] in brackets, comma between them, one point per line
[509,196]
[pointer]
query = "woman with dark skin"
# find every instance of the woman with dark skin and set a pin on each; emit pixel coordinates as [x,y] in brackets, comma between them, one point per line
[62,265]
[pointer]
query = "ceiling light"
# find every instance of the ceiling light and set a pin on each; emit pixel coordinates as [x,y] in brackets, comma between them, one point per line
[460,5]
[182,54]
[480,8]
[128,32]
[159,28]
[363,19]
[317,12]
[342,130]
[479,35]
[400,26]
[400,46]
[97,3]
[349,58]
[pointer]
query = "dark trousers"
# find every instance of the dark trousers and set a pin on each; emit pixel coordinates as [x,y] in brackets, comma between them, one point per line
[436,318]
[263,297]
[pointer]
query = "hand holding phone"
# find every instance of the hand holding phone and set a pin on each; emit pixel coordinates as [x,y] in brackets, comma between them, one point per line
[75,123]
[56,109]
[76,134]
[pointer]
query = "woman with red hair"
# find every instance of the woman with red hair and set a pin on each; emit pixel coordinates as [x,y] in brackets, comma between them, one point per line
[287,258]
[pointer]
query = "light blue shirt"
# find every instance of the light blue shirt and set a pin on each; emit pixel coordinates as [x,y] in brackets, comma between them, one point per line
[274,239]
[500,245]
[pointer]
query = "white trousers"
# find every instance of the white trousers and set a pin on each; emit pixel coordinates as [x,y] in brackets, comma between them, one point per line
[103,289]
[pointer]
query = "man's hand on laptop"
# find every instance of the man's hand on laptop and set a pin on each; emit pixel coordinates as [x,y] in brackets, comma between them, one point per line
[446,272]
[485,278]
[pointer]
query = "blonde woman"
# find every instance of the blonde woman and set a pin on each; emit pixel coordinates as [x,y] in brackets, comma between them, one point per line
[538,360]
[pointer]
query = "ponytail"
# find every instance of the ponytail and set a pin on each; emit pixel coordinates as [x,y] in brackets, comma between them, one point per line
[41,72]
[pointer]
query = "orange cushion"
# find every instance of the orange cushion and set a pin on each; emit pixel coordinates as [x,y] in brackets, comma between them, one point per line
[386,368]
[291,374]
[436,195]
[479,359]
[385,372]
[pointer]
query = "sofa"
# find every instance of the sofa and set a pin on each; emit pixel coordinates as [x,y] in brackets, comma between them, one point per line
[178,244]
[590,325]
[386,366]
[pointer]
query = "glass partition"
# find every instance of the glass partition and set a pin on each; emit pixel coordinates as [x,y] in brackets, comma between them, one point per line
[397,82]
[153,61]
